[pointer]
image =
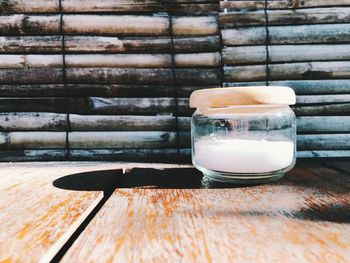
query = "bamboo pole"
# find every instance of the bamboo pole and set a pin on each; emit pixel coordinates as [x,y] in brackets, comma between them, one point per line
[323,154]
[121,25]
[110,106]
[111,60]
[141,155]
[147,106]
[116,90]
[35,90]
[96,90]
[81,6]
[31,76]
[27,140]
[286,17]
[127,123]
[324,142]
[311,70]
[139,25]
[300,34]
[285,53]
[145,155]
[36,104]
[324,124]
[98,44]
[144,76]
[280,4]
[342,109]
[41,121]
[24,6]
[29,25]
[26,155]
[32,121]
[304,87]
[323,99]
[129,139]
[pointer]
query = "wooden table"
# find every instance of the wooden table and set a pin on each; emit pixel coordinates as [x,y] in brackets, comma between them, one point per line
[111,212]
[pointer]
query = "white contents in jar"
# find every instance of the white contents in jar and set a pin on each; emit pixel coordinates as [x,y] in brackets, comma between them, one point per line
[243,156]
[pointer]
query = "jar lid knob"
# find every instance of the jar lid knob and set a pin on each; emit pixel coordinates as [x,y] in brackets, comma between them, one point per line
[225,97]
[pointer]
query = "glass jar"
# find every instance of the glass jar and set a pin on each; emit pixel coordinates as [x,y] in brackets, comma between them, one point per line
[243,134]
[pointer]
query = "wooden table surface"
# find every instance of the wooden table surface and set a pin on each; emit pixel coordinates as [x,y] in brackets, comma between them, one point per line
[111,212]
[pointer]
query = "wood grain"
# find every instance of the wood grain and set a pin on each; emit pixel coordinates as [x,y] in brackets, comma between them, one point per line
[37,218]
[302,218]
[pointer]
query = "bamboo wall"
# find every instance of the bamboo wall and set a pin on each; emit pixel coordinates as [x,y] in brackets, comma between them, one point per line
[110,80]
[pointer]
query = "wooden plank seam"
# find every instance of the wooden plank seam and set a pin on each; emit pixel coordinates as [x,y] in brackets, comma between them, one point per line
[64,77]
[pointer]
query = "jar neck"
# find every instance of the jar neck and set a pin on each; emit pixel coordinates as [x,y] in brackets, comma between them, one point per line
[259,109]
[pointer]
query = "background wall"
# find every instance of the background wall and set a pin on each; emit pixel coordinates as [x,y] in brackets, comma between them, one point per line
[88,80]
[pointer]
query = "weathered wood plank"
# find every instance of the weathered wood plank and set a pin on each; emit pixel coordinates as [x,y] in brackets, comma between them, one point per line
[37,218]
[343,166]
[300,34]
[210,225]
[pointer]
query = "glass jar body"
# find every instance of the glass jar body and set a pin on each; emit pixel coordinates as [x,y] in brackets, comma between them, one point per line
[244,144]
